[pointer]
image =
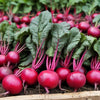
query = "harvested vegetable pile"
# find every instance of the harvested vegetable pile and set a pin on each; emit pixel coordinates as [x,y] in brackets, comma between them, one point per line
[49,54]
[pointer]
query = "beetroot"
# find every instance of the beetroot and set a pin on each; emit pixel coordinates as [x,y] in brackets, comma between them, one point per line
[32,18]
[84,26]
[94,31]
[12,84]
[38,13]
[23,25]
[16,19]
[5,18]
[72,24]
[70,17]
[82,70]
[4,71]
[29,76]
[76,79]
[55,20]
[25,19]
[1,19]
[59,16]
[93,76]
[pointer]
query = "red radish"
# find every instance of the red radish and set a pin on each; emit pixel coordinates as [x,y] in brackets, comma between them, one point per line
[72,24]
[94,15]
[32,18]
[93,76]
[13,56]
[77,25]
[1,19]
[70,17]
[5,18]
[29,75]
[23,25]
[64,71]
[48,78]
[2,59]
[94,31]
[88,18]
[16,19]
[76,79]
[4,71]
[59,16]
[12,84]
[38,13]
[25,19]
[84,26]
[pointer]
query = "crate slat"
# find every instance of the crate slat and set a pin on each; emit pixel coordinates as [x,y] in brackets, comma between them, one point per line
[90,95]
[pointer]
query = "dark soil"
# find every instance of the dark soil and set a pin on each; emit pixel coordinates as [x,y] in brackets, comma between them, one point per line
[37,89]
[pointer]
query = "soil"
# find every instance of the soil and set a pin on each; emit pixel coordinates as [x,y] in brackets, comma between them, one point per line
[37,89]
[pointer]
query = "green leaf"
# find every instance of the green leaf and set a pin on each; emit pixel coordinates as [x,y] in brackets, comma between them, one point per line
[88,43]
[27,9]
[50,52]
[15,9]
[73,39]
[22,34]
[9,33]
[97,47]
[30,45]
[96,19]
[40,27]
[27,61]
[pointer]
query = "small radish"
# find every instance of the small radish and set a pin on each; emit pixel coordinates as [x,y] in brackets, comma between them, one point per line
[60,21]
[55,20]
[4,71]
[94,31]
[64,71]
[93,76]
[48,78]
[84,26]
[13,56]
[70,17]
[18,26]
[12,84]
[16,19]
[5,18]
[94,15]
[25,19]
[76,79]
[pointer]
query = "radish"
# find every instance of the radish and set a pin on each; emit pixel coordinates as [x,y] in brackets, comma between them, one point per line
[64,71]
[93,76]
[76,79]
[25,19]
[12,84]
[84,26]
[48,78]
[5,18]
[4,71]
[94,31]
[18,26]
[60,21]
[13,56]
[16,19]
[55,20]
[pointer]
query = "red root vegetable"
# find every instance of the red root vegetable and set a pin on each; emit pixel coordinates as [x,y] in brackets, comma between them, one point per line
[38,13]
[76,79]
[48,78]
[25,19]
[30,75]
[12,84]
[23,25]
[5,18]
[64,71]
[94,31]
[16,19]
[13,56]
[93,76]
